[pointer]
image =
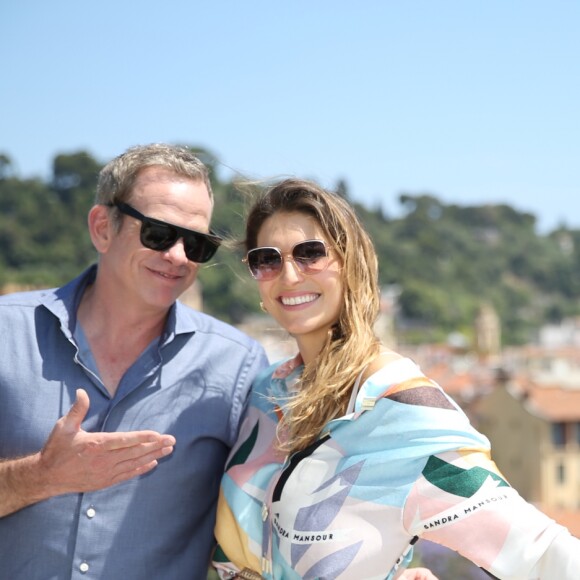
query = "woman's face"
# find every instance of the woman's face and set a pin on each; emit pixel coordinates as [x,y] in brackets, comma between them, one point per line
[307,306]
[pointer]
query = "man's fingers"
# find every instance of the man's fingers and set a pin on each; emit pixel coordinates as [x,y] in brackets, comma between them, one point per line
[136,460]
[132,439]
[131,464]
[110,458]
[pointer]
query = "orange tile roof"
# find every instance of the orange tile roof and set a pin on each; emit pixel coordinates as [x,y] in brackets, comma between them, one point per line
[550,402]
[468,381]
[452,382]
[569,519]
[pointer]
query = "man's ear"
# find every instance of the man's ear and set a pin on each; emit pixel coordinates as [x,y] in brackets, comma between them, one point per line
[100,227]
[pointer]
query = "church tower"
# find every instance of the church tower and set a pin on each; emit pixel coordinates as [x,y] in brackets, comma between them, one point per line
[487,331]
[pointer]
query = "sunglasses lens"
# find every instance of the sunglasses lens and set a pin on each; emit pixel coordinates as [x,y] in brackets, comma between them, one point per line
[156,236]
[199,248]
[160,236]
[310,256]
[264,263]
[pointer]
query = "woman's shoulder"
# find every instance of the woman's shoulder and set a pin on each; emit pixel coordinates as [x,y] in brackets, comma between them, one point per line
[391,367]
[384,359]
[395,377]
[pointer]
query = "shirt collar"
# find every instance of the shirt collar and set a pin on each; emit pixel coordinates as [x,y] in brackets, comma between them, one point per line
[64,302]
[286,368]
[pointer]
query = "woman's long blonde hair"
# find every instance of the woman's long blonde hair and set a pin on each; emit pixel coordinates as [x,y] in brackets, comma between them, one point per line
[326,383]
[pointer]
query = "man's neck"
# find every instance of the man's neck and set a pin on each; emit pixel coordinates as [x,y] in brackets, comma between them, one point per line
[117,334]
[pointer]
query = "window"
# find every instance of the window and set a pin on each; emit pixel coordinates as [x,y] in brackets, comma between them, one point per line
[561,473]
[558,434]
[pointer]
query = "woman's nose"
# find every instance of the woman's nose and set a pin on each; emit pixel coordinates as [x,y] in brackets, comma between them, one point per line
[290,271]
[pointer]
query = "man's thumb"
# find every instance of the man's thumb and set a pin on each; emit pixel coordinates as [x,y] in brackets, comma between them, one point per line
[78,411]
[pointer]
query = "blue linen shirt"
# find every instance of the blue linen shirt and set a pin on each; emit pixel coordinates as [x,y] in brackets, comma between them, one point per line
[192,384]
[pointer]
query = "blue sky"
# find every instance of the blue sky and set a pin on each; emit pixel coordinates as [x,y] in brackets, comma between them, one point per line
[472,101]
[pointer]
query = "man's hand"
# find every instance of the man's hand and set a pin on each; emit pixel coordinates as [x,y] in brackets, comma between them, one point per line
[75,461]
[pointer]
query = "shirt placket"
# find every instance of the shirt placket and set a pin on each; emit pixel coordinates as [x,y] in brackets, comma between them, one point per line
[268,526]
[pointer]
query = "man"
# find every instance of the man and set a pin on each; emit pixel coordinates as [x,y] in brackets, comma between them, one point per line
[118,404]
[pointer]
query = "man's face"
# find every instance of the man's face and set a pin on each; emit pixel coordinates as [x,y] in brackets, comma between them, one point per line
[154,279]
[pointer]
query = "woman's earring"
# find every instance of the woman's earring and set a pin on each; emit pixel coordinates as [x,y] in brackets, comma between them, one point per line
[263,308]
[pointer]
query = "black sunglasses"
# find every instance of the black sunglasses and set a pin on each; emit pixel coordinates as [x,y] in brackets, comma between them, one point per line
[310,257]
[160,236]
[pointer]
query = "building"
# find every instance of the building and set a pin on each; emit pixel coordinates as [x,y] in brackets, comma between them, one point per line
[534,429]
[487,331]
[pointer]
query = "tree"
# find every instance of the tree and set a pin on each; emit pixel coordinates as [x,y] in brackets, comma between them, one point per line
[71,173]
[342,189]
[6,169]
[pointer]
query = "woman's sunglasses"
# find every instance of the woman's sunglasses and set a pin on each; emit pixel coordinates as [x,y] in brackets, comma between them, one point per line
[160,236]
[310,257]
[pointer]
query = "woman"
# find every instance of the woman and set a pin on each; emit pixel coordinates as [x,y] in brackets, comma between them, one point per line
[348,453]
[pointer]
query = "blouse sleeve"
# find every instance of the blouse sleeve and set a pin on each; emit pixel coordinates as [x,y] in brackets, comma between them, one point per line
[462,501]
[456,496]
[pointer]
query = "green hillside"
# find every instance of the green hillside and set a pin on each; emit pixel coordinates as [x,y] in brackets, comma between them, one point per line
[446,259]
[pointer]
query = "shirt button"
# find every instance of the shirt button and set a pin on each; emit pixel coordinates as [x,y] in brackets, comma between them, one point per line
[264,512]
[84,567]
[91,513]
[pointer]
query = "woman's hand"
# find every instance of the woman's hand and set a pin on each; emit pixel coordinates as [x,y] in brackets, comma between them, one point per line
[417,574]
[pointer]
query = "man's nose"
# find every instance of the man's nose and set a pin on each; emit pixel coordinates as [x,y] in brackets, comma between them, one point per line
[176,253]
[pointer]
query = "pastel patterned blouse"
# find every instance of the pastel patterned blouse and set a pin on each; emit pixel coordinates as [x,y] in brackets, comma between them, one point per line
[403,463]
